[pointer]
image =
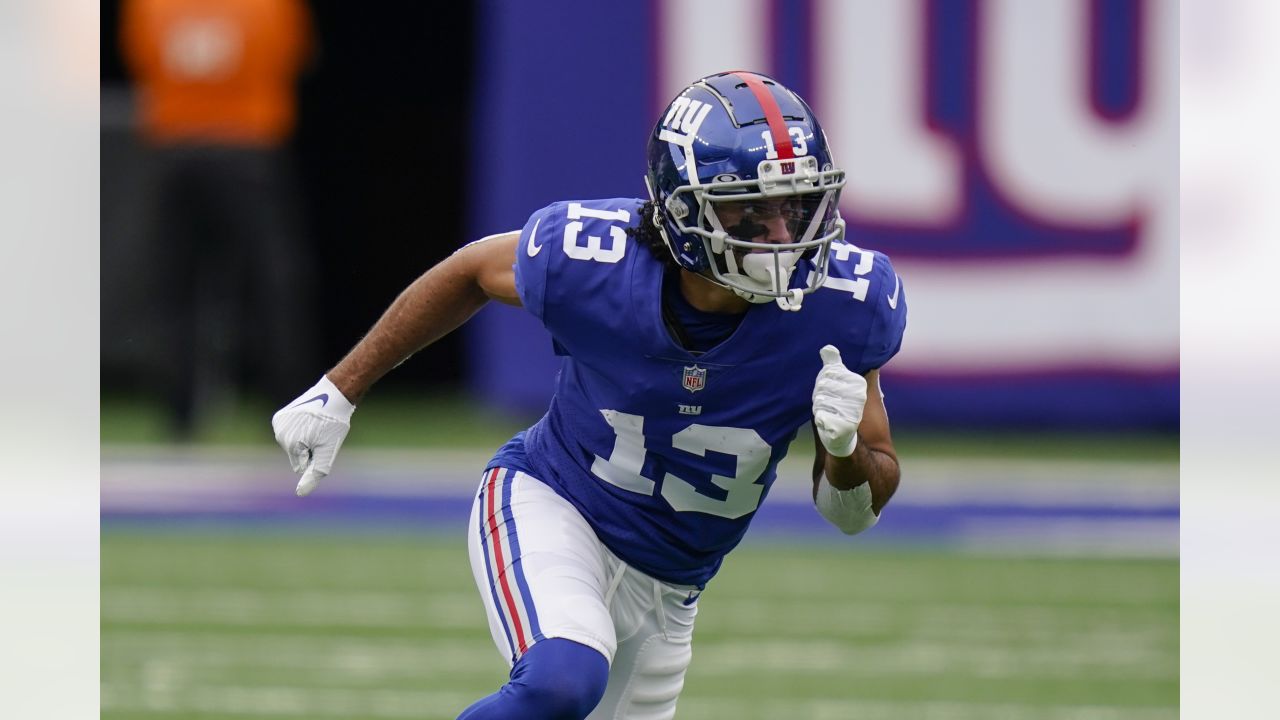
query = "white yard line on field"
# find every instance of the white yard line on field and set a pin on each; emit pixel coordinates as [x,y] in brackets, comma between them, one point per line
[1148,656]
[286,701]
[716,708]
[247,606]
[1070,659]
[344,659]
[223,605]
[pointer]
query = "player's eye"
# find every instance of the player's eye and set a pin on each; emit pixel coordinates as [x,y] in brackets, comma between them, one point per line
[793,209]
[764,210]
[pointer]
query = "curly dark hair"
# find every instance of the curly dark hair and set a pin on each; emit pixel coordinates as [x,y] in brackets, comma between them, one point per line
[646,234]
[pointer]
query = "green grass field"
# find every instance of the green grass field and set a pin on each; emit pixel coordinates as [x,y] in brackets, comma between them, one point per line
[252,626]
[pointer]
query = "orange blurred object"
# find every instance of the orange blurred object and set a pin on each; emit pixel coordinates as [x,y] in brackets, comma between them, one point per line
[216,70]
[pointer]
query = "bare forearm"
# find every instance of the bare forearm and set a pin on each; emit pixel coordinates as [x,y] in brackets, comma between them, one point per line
[431,307]
[866,465]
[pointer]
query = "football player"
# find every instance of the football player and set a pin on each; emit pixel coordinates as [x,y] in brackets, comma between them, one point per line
[699,331]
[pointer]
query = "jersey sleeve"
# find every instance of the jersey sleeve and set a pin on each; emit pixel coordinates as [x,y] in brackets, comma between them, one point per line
[573,271]
[532,260]
[889,317]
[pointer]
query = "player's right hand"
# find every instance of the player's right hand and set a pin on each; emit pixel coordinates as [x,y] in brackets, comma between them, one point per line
[311,430]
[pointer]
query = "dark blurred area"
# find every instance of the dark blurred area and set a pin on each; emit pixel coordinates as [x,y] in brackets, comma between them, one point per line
[367,192]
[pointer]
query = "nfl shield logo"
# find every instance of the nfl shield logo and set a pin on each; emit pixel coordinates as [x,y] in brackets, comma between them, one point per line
[695,378]
[788,168]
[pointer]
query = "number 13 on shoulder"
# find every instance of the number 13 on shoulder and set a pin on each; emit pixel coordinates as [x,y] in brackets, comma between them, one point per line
[594,249]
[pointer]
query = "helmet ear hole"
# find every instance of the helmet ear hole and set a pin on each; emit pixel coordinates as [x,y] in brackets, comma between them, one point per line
[676,207]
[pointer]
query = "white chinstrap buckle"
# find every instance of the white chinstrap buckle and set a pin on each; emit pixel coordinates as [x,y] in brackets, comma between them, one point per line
[791,302]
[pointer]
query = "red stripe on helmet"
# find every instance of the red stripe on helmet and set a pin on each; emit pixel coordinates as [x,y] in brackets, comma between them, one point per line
[772,113]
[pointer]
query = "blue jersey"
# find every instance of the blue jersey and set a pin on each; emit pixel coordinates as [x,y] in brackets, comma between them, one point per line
[667,454]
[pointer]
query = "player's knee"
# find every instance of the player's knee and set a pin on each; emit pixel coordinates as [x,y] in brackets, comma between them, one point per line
[562,679]
[659,680]
[562,699]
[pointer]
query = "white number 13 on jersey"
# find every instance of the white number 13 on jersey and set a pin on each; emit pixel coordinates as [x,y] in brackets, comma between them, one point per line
[594,248]
[742,493]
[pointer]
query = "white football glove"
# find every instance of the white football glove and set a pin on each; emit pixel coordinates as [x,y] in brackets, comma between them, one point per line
[839,394]
[311,430]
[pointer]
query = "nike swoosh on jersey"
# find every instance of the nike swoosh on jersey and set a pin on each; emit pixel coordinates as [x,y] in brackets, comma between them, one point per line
[531,248]
[893,299]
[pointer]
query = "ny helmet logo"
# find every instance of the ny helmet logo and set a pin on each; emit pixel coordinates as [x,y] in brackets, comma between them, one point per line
[682,120]
[695,378]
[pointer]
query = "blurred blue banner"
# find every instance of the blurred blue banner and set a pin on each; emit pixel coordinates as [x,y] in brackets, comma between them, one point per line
[1017,160]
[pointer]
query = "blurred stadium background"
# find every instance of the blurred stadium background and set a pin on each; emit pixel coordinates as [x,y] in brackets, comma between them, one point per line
[1018,160]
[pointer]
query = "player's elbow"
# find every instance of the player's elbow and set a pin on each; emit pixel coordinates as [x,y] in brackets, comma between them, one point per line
[883,492]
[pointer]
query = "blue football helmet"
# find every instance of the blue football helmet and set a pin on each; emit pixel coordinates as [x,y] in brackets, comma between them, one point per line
[745,186]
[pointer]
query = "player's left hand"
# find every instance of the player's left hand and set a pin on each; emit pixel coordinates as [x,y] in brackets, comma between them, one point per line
[839,394]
